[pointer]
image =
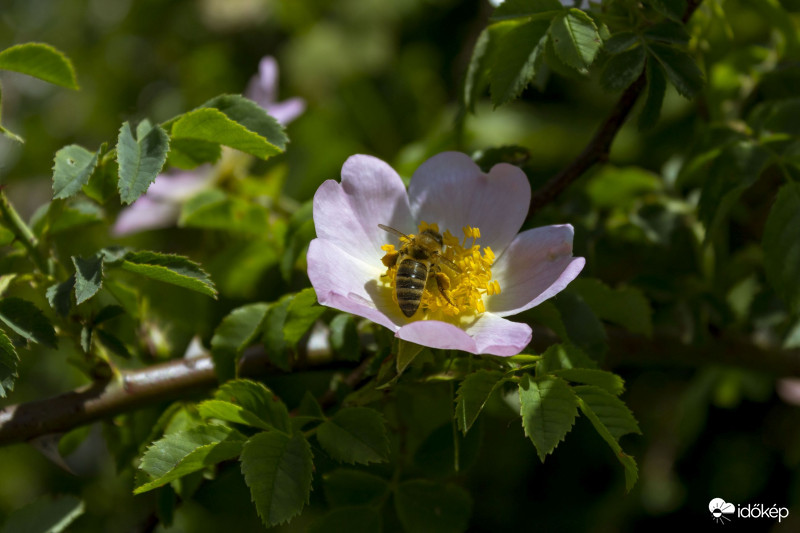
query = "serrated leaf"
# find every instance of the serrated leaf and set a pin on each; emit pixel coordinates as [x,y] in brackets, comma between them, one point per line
[8,365]
[65,215]
[548,407]
[59,296]
[609,409]
[235,333]
[230,412]
[140,159]
[673,9]
[593,376]
[112,343]
[680,67]
[575,39]
[258,400]
[277,469]
[173,269]
[45,515]
[656,89]
[667,31]
[472,395]
[301,314]
[88,277]
[273,332]
[583,327]
[628,463]
[107,313]
[213,209]
[189,153]
[736,169]
[625,306]
[781,243]
[619,42]
[25,319]
[345,488]
[182,453]
[623,69]
[560,356]
[344,337]
[72,167]
[475,80]
[40,61]
[517,57]
[355,435]
[426,506]
[232,121]
[348,520]
[511,9]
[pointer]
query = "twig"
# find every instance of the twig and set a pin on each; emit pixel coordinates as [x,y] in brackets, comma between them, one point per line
[599,147]
[22,232]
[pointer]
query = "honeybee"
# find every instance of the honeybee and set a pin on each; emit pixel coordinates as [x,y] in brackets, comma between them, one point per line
[418,257]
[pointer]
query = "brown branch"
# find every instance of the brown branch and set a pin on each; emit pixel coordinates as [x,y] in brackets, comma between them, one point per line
[600,145]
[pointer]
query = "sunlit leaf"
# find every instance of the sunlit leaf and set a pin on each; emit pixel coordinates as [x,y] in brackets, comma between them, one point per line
[140,158]
[71,170]
[88,276]
[518,55]
[575,39]
[235,333]
[301,314]
[609,409]
[258,406]
[173,269]
[548,408]
[593,376]
[40,61]
[473,392]
[510,9]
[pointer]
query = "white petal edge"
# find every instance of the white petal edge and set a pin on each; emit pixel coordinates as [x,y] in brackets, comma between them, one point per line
[451,190]
[536,266]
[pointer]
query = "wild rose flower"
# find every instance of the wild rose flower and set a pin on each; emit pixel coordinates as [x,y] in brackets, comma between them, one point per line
[160,206]
[501,273]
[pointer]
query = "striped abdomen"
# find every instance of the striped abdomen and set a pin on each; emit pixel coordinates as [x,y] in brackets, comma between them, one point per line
[409,284]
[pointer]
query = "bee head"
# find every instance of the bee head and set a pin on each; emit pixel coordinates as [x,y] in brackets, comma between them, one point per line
[433,238]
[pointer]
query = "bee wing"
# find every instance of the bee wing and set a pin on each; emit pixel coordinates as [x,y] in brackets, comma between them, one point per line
[449,263]
[396,232]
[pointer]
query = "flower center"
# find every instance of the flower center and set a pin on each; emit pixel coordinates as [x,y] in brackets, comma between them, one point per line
[449,292]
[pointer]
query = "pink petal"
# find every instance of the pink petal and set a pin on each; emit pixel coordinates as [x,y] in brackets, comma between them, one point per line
[489,334]
[286,111]
[450,189]
[536,266]
[262,88]
[178,186]
[350,285]
[347,214]
[145,214]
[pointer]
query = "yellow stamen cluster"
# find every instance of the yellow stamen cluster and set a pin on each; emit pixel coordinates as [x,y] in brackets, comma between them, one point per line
[467,288]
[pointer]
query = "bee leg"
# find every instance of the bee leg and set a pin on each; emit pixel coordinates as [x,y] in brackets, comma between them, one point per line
[443,282]
[390,259]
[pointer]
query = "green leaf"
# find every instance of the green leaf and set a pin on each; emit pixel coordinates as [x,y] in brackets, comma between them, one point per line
[301,314]
[680,68]
[273,339]
[656,89]
[173,269]
[107,313]
[346,488]
[230,412]
[628,463]
[548,408]
[613,187]
[560,356]
[27,320]
[8,365]
[623,69]
[189,153]
[517,58]
[40,61]
[781,243]
[582,325]
[258,400]
[667,31]
[736,169]
[619,42]
[140,158]
[609,409]
[593,376]
[45,515]
[88,277]
[348,520]
[213,209]
[475,80]
[344,337]
[182,453]
[673,9]
[278,470]
[102,185]
[112,343]
[237,331]
[233,121]
[66,215]
[472,395]
[407,351]
[575,39]
[355,435]
[626,306]
[71,170]
[511,9]
[424,506]
[60,296]
[11,135]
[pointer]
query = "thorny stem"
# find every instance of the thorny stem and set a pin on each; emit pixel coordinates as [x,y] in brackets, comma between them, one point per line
[600,145]
[22,232]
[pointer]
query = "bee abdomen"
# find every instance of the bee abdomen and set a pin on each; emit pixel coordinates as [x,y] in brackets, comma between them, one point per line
[410,283]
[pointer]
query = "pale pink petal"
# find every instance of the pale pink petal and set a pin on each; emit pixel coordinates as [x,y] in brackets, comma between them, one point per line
[286,111]
[348,213]
[262,88]
[451,190]
[436,334]
[789,390]
[145,214]
[536,266]
[348,284]
[177,186]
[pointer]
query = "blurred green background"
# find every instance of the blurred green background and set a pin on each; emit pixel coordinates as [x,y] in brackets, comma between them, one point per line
[383,78]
